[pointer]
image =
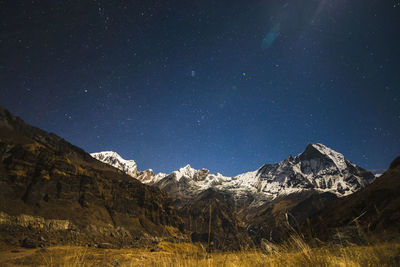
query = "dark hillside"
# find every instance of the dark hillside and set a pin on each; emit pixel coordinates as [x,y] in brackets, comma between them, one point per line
[53,192]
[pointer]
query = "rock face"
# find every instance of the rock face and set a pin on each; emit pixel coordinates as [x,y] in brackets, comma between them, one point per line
[56,193]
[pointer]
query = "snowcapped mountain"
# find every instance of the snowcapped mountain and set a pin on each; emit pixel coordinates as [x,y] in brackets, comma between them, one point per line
[115,160]
[318,168]
[128,166]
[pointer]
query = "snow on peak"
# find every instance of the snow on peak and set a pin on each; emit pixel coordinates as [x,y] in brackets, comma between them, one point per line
[114,159]
[107,154]
[187,168]
[336,157]
[186,171]
[318,168]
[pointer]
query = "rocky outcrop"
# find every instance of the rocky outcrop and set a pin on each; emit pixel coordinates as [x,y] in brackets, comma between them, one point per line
[32,222]
[34,231]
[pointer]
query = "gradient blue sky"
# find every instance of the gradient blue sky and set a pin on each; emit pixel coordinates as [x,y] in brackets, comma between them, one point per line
[224,85]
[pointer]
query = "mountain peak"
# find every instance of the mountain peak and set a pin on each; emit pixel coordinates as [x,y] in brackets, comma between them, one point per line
[186,171]
[110,154]
[105,154]
[114,159]
[187,167]
[321,148]
[318,150]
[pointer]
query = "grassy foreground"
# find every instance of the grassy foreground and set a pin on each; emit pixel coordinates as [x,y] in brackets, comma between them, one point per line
[168,254]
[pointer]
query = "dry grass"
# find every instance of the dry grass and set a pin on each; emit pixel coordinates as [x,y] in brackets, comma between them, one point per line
[293,253]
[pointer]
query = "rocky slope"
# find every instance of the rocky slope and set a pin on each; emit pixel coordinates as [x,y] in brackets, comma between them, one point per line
[55,193]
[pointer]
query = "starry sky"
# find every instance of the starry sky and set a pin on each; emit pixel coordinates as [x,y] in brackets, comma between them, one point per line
[224,85]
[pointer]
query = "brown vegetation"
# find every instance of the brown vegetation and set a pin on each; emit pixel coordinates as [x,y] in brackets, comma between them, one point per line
[293,253]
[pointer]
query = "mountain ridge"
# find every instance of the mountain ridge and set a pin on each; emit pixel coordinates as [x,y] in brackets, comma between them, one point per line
[318,167]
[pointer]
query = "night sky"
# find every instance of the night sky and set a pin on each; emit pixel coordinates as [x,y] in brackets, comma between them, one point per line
[224,85]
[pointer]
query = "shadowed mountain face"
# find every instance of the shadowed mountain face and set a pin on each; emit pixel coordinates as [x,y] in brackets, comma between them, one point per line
[375,208]
[55,193]
[271,220]
[211,214]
